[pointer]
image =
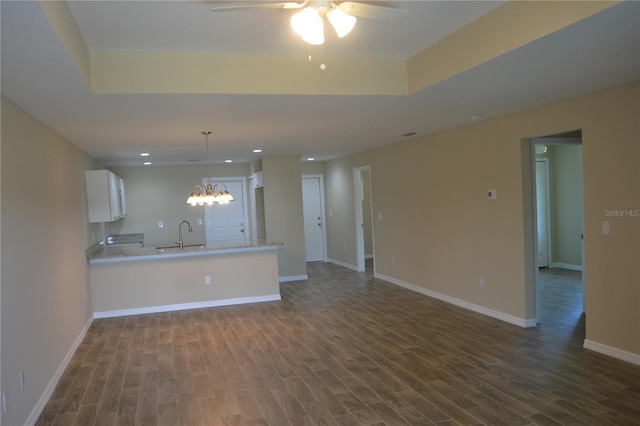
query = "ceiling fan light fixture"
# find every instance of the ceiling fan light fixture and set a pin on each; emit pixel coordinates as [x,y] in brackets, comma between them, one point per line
[309,25]
[342,22]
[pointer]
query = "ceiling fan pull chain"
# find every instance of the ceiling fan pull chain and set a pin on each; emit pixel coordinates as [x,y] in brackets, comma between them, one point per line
[322,65]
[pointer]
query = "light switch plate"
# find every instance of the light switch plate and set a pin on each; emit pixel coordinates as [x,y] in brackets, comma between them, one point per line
[492,194]
[605,227]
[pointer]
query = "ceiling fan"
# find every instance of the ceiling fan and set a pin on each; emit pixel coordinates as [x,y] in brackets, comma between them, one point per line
[309,22]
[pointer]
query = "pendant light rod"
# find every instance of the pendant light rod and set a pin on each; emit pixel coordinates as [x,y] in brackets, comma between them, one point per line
[211,194]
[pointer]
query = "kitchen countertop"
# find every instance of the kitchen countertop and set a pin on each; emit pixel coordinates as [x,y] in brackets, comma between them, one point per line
[118,239]
[124,253]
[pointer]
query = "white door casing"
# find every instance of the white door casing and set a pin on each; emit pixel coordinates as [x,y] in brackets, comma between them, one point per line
[313,211]
[227,223]
[359,196]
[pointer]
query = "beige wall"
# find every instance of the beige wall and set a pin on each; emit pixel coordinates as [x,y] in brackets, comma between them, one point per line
[312,167]
[340,205]
[159,193]
[283,212]
[440,231]
[367,225]
[45,287]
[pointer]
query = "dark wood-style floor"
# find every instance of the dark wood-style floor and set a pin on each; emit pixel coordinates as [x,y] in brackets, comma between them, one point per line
[344,348]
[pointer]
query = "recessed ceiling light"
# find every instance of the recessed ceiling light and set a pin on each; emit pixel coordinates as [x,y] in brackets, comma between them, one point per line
[228,161]
[310,159]
[257,150]
[144,154]
[147,163]
[475,117]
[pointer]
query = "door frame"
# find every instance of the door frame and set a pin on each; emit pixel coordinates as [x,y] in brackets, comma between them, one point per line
[548,207]
[359,216]
[245,213]
[322,212]
[253,214]
[528,157]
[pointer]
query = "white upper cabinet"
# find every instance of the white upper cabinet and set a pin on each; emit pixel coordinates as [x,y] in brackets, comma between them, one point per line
[105,196]
[123,204]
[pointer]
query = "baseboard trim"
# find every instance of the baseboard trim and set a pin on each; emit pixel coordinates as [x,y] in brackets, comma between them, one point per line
[521,322]
[566,266]
[294,278]
[612,352]
[51,386]
[343,264]
[186,306]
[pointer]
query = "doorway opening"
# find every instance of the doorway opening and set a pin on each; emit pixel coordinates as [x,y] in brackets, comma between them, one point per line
[364,219]
[558,203]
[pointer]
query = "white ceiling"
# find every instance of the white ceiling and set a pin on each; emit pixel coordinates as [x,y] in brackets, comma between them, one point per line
[37,74]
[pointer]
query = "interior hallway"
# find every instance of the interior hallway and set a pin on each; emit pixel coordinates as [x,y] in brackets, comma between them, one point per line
[561,302]
[343,348]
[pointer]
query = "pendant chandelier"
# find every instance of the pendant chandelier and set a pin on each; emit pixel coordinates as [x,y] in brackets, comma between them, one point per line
[309,23]
[211,194]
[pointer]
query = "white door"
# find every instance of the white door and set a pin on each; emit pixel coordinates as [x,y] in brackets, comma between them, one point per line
[313,218]
[542,203]
[226,223]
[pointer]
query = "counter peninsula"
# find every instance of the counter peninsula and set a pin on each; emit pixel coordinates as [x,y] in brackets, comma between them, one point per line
[129,280]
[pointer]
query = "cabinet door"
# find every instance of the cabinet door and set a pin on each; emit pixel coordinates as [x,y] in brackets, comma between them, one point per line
[103,196]
[114,196]
[122,202]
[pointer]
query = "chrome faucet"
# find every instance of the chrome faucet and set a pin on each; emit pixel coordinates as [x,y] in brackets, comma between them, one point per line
[180,242]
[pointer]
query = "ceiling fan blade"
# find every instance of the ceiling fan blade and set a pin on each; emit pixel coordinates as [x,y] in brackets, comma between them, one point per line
[282,5]
[369,11]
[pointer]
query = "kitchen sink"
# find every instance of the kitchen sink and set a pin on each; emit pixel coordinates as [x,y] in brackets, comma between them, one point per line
[177,246]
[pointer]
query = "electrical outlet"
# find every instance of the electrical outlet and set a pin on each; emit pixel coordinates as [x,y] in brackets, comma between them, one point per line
[22,382]
[160,224]
[207,279]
